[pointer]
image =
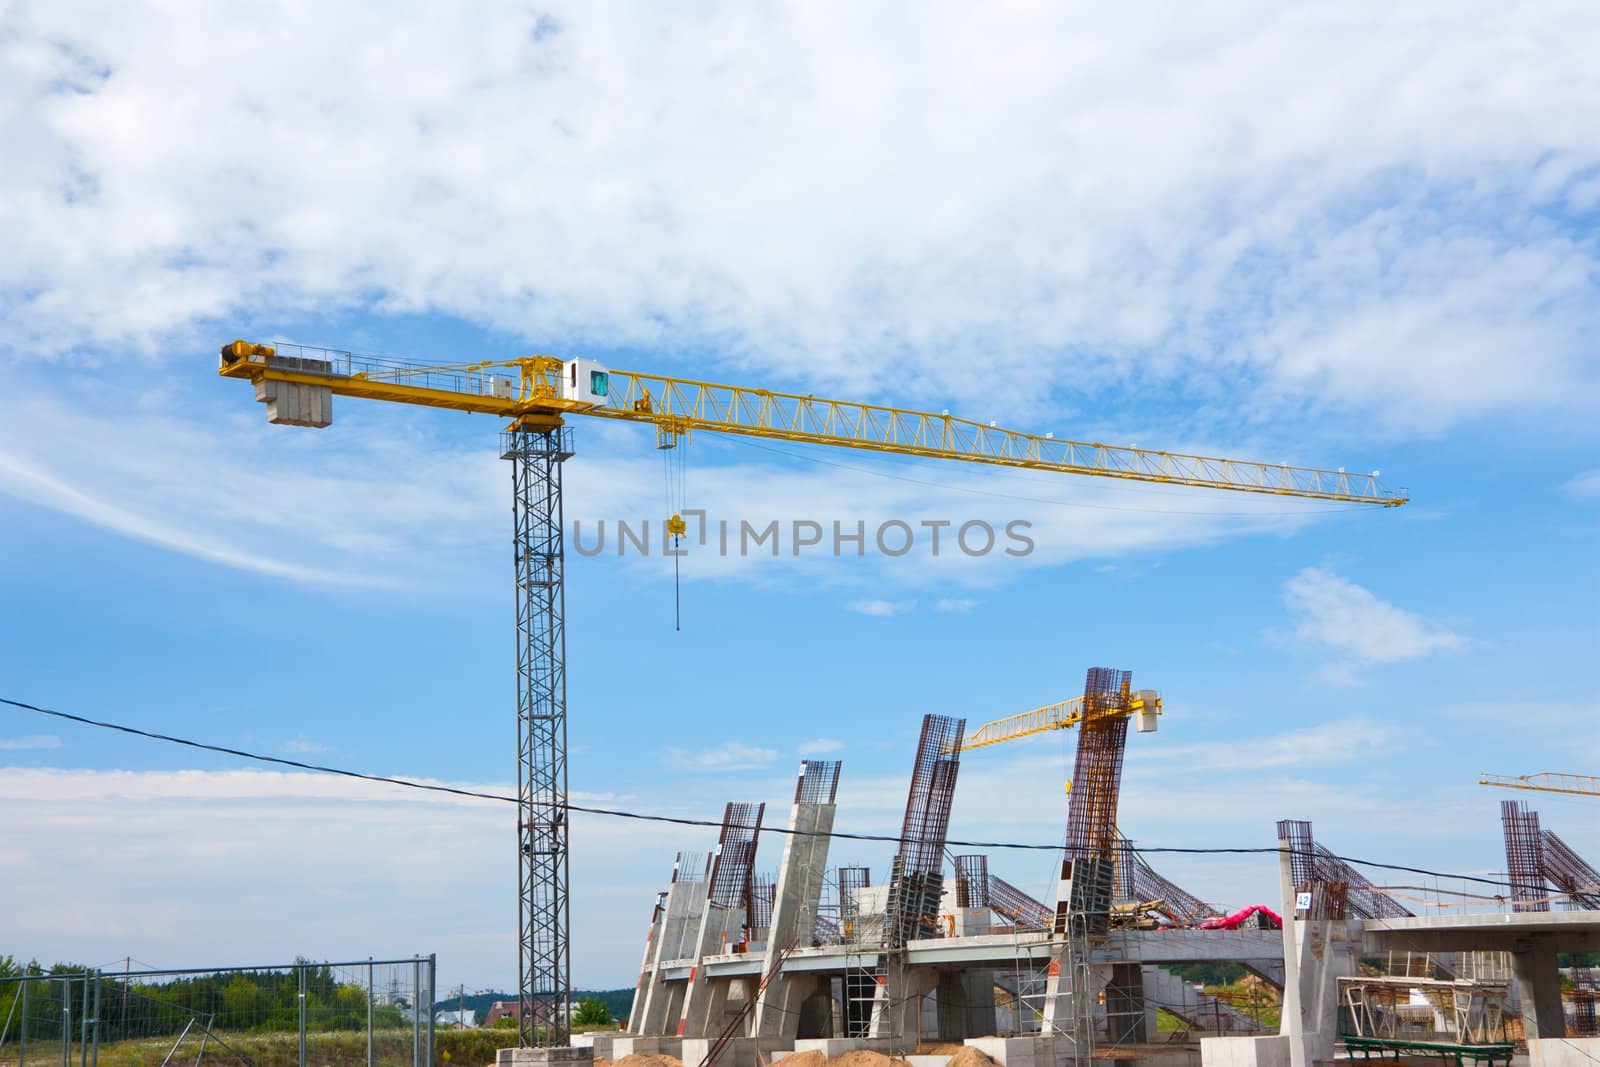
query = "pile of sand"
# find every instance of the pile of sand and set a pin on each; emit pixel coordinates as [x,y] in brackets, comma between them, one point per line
[865,1058]
[642,1059]
[812,1058]
[971,1057]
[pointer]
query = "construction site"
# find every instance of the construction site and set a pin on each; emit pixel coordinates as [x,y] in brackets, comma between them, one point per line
[457,460]
[743,967]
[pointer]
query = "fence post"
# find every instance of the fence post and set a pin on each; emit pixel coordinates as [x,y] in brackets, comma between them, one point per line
[94,1052]
[370,994]
[433,969]
[83,1025]
[300,969]
[66,1022]
[416,1011]
[22,1034]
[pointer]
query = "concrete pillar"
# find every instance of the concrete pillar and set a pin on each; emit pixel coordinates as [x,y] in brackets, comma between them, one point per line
[796,897]
[1325,951]
[717,925]
[897,1011]
[1125,1005]
[1290,1020]
[1539,988]
[979,989]
[653,1012]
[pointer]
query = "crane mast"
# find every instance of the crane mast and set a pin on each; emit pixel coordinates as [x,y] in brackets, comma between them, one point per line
[536,394]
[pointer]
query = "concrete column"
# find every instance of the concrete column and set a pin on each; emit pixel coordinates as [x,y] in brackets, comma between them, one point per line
[716,925]
[795,900]
[1290,1021]
[897,1011]
[1539,987]
[1125,1005]
[654,1015]
[979,989]
[1326,950]
[652,944]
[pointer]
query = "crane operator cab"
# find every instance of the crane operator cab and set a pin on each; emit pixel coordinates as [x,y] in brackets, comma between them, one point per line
[586,382]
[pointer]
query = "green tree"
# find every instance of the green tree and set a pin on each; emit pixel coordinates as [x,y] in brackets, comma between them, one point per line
[592,1012]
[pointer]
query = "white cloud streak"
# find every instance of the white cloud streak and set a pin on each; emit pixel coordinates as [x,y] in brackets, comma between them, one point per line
[1584,486]
[32,742]
[882,609]
[726,757]
[1335,614]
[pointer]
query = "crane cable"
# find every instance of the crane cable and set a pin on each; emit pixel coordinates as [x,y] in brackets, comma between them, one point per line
[675,471]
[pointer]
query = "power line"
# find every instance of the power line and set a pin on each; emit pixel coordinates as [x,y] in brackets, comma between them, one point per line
[680,820]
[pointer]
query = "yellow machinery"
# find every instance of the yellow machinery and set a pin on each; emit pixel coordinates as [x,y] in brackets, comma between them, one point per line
[534,395]
[1143,705]
[1582,785]
[535,392]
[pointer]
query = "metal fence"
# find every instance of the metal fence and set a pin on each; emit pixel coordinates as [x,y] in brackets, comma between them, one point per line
[368,1013]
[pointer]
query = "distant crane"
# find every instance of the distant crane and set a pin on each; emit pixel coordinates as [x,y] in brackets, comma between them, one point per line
[1108,704]
[1582,785]
[536,394]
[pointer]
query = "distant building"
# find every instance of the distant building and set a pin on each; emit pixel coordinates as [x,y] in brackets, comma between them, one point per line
[512,1009]
[458,1018]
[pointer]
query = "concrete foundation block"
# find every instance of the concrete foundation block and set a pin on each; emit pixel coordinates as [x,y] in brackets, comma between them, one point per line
[583,1040]
[1563,1051]
[545,1057]
[740,1052]
[1015,1051]
[927,1061]
[1271,1050]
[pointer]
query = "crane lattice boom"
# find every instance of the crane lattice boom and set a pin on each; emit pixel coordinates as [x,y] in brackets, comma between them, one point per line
[542,387]
[1582,785]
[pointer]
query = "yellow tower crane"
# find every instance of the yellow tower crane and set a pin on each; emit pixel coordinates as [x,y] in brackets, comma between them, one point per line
[535,394]
[1143,705]
[1582,785]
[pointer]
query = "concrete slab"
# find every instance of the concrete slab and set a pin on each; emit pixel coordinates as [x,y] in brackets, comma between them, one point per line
[1269,1051]
[1015,1051]
[545,1057]
[1563,1051]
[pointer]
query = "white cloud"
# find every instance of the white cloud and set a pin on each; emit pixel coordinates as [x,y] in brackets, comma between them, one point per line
[35,741]
[823,197]
[250,837]
[1585,486]
[955,605]
[1324,744]
[1335,614]
[819,746]
[882,608]
[302,744]
[728,756]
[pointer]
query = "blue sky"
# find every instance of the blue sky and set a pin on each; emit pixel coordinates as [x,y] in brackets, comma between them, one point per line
[1362,240]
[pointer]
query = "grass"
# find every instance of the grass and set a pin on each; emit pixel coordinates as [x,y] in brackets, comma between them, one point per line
[391,1048]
